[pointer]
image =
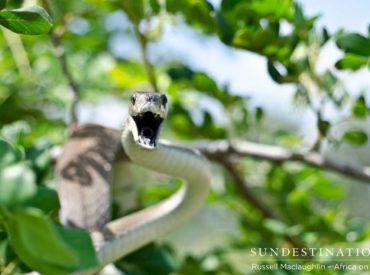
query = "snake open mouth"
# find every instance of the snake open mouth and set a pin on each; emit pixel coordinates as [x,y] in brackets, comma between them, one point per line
[148,125]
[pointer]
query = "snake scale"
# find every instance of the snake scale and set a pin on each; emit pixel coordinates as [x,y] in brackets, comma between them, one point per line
[84,175]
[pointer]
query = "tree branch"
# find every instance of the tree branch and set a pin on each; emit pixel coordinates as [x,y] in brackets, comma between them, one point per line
[243,186]
[59,51]
[60,54]
[148,66]
[248,195]
[223,148]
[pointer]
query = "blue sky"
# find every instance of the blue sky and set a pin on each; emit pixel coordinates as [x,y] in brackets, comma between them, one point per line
[353,15]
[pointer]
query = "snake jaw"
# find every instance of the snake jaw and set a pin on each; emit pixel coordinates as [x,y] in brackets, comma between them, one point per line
[147,129]
[147,112]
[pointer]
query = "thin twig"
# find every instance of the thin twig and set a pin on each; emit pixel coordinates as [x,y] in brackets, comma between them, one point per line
[276,154]
[144,54]
[311,83]
[244,189]
[60,54]
[248,195]
[59,51]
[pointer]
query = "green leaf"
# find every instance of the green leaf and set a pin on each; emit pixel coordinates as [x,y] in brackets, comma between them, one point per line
[80,241]
[274,10]
[30,20]
[274,73]
[355,137]
[323,126]
[16,132]
[180,72]
[290,140]
[311,21]
[328,81]
[7,254]
[352,62]
[128,75]
[256,40]
[298,18]
[2,4]
[354,43]
[298,196]
[360,109]
[203,82]
[37,243]
[46,247]
[134,9]
[155,6]
[325,36]
[151,259]
[49,248]
[17,184]
[39,154]
[275,226]
[225,30]
[45,199]
[326,189]
[9,154]
[199,13]
[259,114]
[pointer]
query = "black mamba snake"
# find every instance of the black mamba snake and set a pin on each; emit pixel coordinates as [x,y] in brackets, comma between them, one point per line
[85,196]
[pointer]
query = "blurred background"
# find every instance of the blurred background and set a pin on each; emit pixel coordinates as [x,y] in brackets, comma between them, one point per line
[291,74]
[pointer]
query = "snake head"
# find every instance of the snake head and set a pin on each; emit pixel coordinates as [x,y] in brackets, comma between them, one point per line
[147,111]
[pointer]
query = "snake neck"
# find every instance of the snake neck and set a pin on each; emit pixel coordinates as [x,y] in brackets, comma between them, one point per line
[138,229]
[169,159]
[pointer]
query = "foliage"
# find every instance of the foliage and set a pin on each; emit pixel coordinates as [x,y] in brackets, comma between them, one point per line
[27,217]
[29,20]
[356,48]
[35,95]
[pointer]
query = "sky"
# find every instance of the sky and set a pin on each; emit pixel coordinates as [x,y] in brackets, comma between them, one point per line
[351,15]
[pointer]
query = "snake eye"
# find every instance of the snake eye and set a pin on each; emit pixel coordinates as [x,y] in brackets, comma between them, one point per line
[164,100]
[133,99]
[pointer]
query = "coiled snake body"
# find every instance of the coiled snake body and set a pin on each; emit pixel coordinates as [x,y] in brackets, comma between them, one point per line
[140,142]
